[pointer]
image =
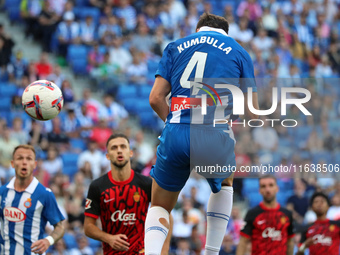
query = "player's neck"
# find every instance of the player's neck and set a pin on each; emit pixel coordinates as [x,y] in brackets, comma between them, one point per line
[121,175]
[322,217]
[270,205]
[21,185]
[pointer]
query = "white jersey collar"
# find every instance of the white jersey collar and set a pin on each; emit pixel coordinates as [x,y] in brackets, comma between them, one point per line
[30,189]
[206,28]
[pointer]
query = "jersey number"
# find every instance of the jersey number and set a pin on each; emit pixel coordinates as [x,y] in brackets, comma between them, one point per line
[198,59]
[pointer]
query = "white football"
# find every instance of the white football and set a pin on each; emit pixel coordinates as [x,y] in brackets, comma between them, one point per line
[42,100]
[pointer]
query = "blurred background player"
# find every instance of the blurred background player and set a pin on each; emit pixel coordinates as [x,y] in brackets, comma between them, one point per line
[184,140]
[26,206]
[269,226]
[322,236]
[120,199]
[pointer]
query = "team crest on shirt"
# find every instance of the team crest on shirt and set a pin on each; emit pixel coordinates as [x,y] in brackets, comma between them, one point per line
[136,197]
[283,220]
[28,203]
[331,228]
[88,203]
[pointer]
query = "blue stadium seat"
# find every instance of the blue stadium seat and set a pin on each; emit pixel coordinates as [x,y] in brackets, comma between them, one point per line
[324,156]
[143,105]
[144,91]
[250,185]
[79,66]
[148,119]
[8,90]
[130,105]
[5,103]
[78,144]
[125,92]
[12,3]
[70,170]
[94,244]
[14,13]
[254,199]
[70,159]
[76,52]
[70,241]
[83,12]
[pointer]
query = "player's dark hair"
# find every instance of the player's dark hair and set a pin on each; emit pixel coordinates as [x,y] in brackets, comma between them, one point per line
[114,136]
[24,146]
[212,20]
[266,176]
[320,194]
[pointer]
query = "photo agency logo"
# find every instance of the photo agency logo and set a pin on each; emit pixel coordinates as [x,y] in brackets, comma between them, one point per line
[238,107]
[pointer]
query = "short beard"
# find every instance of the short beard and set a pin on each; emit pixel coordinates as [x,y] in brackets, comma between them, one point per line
[119,166]
[269,200]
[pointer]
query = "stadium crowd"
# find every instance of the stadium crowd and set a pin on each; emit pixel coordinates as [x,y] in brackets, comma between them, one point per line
[293,43]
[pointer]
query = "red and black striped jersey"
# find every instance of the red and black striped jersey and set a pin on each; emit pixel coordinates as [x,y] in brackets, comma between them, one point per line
[326,237]
[269,229]
[122,208]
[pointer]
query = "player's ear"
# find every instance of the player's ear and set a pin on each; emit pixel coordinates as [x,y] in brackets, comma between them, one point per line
[107,156]
[35,164]
[131,153]
[12,163]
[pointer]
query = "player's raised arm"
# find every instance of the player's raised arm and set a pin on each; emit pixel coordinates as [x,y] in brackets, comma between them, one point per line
[157,99]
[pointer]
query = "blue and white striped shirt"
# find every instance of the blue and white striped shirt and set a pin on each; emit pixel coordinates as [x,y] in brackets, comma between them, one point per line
[24,216]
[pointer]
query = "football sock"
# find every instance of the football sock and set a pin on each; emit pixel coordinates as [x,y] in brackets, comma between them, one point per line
[218,213]
[155,231]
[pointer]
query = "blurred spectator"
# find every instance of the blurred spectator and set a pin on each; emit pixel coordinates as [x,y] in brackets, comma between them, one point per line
[137,71]
[183,247]
[8,42]
[94,157]
[71,123]
[266,137]
[57,76]
[152,17]
[98,3]
[262,41]
[228,246]
[32,73]
[57,6]
[114,113]
[41,174]
[144,149]
[298,203]
[177,11]
[53,164]
[334,211]
[109,30]
[85,121]
[17,67]
[48,20]
[29,12]
[44,67]
[182,227]
[94,58]
[58,136]
[127,13]
[100,134]
[119,55]
[245,35]
[252,7]
[92,105]
[142,40]
[323,69]
[18,132]
[7,145]
[68,33]
[4,57]
[83,244]
[68,93]
[87,31]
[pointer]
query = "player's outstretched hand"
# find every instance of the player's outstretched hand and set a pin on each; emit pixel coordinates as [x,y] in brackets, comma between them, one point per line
[119,242]
[40,246]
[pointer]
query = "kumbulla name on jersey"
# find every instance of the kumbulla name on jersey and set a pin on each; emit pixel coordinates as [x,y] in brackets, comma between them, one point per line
[203,39]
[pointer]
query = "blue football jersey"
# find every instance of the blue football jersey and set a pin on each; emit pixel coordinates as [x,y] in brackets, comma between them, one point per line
[210,57]
[24,216]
